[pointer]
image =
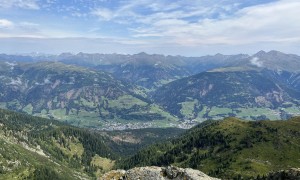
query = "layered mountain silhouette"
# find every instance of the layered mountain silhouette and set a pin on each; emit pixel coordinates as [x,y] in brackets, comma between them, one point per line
[87,88]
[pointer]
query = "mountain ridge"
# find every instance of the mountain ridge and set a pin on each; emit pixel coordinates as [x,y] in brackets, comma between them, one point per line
[165,88]
[73,93]
[222,148]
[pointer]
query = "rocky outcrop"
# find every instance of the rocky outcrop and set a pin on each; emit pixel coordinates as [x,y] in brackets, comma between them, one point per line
[157,173]
[290,174]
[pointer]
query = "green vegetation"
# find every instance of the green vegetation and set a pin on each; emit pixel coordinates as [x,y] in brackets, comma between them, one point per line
[188,108]
[128,142]
[239,92]
[103,164]
[231,148]
[46,173]
[126,102]
[28,109]
[74,94]
[36,148]
[33,147]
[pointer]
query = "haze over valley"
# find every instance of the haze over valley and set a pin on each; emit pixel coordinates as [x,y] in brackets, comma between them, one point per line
[160,89]
[107,91]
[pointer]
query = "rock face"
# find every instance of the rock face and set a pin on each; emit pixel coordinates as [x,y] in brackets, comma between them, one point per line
[290,174]
[158,173]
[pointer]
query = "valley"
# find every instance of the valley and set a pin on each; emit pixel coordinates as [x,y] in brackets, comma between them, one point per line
[74,94]
[82,119]
[117,92]
[38,148]
[149,90]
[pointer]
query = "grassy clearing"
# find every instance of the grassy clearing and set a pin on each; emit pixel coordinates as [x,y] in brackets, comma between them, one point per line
[247,112]
[72,146]
[28,109]
[294,110]
[187,108]
[215,111]
[103,164]
[156,109]
[86,103]
[126,102]
[3,105]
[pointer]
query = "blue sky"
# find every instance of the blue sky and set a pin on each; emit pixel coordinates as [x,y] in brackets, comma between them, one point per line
[176,27]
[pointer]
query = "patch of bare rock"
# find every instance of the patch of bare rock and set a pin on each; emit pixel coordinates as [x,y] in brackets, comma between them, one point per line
[157,173]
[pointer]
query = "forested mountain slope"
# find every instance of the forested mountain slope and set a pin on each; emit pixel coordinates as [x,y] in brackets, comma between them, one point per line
[78,95]
[34,147]
[245,93]
[230,148]
[37,147]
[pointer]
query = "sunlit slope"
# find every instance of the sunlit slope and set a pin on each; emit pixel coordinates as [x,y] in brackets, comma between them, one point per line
[74,94]
[229,148]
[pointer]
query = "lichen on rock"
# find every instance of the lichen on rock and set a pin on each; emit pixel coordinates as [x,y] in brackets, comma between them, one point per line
[157,173]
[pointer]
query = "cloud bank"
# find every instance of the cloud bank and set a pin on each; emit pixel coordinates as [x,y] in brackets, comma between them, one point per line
[185,27]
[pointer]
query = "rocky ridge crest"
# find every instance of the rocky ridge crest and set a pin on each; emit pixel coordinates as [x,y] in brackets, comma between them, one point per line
[159,173]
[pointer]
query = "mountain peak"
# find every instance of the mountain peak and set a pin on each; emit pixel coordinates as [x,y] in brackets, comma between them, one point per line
[219,54]
[270,53]
[260,53]
[142,54]
[273,52]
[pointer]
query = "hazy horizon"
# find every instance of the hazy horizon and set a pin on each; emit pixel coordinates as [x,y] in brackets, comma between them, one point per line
[188,28]
[130,54]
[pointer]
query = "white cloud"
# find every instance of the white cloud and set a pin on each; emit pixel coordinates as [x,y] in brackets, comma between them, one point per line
[273,22]
[29,24]
[167,26]
[192,23]
[157,6]
[255,61]
[134,11]
[77,14]
[4,23]
[103,14]
[24,4]
[19,29]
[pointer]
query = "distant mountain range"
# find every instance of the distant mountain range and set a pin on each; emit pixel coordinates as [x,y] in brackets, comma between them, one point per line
[105,90]
[264,86]
[75,94]
[150,71]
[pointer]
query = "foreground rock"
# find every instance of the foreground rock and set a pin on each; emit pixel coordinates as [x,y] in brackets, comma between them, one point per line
[158,173]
